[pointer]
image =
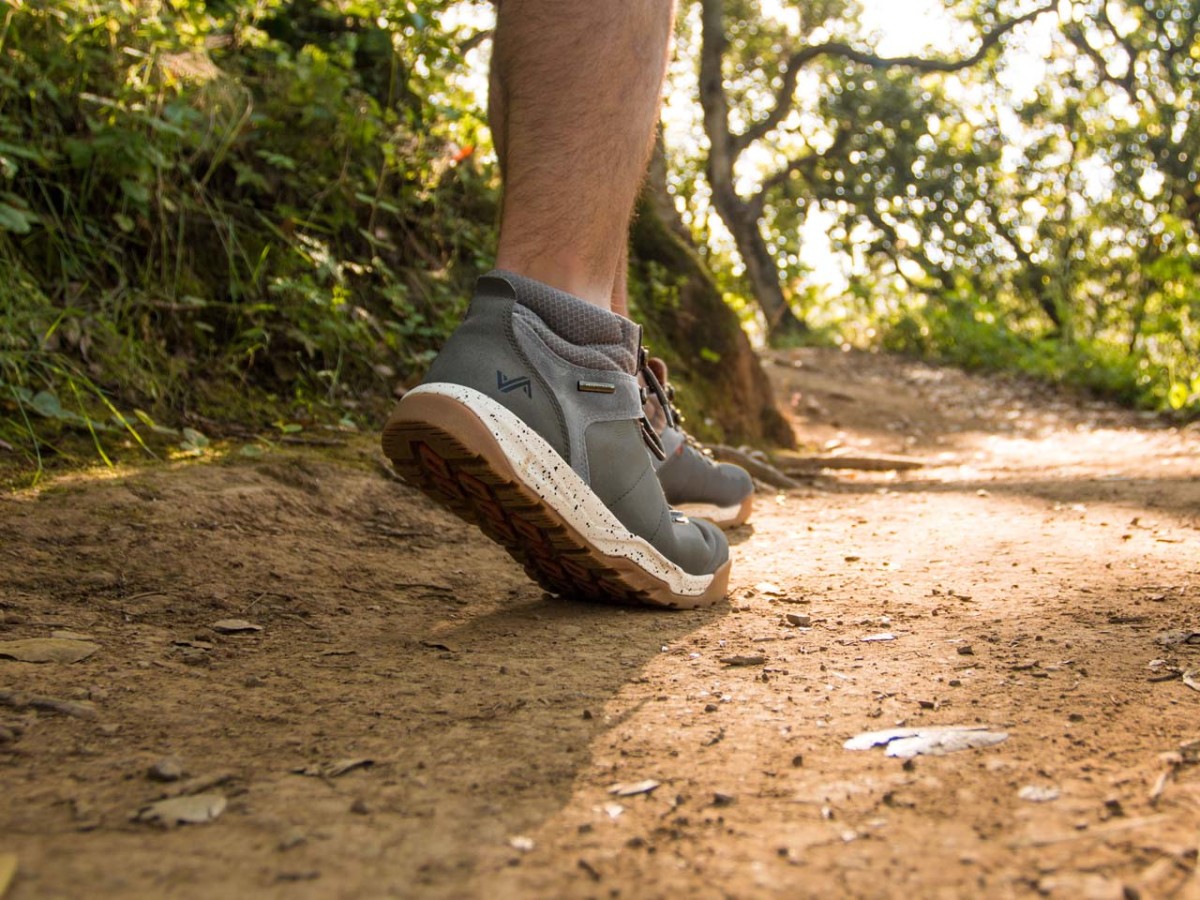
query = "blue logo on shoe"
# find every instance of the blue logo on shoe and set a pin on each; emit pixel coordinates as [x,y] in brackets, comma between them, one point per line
[508,385]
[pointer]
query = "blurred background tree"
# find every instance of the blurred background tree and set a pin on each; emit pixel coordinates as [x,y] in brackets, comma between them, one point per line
[272,210]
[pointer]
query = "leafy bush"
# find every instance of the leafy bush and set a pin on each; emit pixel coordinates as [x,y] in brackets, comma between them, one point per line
[280,197]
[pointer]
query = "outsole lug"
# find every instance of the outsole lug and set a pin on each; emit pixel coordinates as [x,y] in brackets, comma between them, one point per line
[449,473]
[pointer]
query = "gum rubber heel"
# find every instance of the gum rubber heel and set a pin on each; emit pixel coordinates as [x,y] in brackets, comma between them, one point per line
[440,446]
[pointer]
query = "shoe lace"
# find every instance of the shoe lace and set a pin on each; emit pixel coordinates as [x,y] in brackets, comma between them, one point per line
[665,394]
[654,386]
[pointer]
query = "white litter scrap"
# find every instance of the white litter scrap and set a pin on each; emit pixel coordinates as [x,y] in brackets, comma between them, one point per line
[905,743]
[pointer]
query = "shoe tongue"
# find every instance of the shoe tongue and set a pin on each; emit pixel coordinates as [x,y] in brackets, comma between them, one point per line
[572,319]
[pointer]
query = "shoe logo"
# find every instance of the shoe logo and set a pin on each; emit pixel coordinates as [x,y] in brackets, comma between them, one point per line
[508,385]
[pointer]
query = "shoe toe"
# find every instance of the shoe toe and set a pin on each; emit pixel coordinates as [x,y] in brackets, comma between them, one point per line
[714,540]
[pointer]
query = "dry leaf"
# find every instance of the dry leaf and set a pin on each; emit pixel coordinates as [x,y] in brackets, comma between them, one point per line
[43,650]
[905,743]
[195,809]
[1036,793]
[234,626]
[632,790]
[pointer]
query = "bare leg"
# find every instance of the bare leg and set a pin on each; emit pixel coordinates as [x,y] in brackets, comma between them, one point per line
[576,87]
[620,291]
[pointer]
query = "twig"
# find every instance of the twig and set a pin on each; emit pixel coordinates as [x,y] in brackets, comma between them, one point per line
[17,700]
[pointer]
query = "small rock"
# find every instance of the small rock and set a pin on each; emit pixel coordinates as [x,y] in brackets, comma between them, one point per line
[722,799]
[800,620]
[966,650]
[169,768]
[798,760]
[195,809]
[252,681]
[360,808]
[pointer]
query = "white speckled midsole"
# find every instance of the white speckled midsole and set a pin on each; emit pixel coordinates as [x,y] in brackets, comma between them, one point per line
[547,475]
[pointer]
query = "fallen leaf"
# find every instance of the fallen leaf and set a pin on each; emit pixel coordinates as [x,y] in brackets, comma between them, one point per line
[8,870]
[43,650]
[195,809]
[632,790]
[196,786]
[234,626]
[904,743]
[1036,793]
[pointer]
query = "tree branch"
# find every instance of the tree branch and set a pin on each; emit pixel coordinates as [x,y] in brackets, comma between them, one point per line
[785,96]
[808,161]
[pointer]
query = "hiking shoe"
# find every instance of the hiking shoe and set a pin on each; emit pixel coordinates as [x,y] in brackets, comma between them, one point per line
[689,475]
[691,478]
[530,425]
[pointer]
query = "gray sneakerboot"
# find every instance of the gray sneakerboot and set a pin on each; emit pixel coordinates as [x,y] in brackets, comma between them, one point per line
[691,478]
[530,424]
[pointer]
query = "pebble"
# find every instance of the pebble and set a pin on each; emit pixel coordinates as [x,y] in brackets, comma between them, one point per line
[800,620]
[966,650]
[359,807]
[169,768]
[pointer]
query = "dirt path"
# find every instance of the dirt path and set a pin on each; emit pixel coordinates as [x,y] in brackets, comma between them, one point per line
[1023,575]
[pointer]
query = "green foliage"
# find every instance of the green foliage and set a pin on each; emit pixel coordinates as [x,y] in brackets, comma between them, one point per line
[1057,231]
[279,195]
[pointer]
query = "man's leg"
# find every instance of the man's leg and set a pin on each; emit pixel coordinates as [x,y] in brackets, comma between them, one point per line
[576,87]
[530,421]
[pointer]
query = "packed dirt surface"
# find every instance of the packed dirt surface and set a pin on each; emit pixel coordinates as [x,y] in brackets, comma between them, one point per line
[1038,575]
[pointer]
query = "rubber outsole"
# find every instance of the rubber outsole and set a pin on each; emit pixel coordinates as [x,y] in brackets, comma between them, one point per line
[722,517]
[444,450]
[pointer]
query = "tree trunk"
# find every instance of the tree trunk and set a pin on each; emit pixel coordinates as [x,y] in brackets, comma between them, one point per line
[740,216]
[726,396]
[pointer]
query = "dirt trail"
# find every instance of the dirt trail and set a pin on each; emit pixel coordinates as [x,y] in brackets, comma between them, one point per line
[1024,575]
